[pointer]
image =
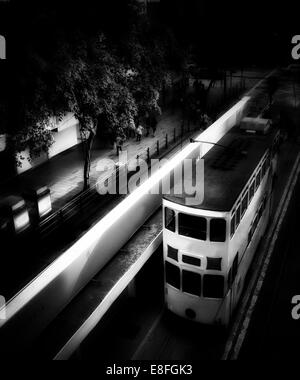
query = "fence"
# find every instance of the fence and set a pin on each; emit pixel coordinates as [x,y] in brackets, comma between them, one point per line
[80,204]
[90,200]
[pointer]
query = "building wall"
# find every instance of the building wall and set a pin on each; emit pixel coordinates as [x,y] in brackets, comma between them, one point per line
[64,139]
[66,135]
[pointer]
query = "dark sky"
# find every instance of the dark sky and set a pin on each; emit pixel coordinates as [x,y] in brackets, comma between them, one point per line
[253,31]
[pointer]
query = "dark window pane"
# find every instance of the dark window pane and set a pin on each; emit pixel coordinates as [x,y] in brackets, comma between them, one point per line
[173,253]
[256,220]
[238,216]
[232,226]
[214,263]
[192,226]
[252,191]
[244,204]
[229,280]
[250,236]
[218,230]
[191,283]
[264,169]
[172,275]
[261,211]
[191,260]
[213,286]
[170,217]
[257,181]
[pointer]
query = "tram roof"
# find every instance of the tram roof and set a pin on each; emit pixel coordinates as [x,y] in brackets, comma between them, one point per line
[227,171]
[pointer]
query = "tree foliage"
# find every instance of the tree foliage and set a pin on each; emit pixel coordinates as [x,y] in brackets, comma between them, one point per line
[105,74]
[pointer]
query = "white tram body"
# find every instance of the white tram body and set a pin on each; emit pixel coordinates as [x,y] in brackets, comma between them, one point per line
[208,249]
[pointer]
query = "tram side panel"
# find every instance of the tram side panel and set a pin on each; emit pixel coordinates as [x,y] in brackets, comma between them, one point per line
[242,247]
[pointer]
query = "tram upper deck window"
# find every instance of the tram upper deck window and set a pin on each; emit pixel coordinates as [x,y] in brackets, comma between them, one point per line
[232,226]
[264,169]
[192,226]
[191,283]
[172,275]
[238,216]
[252,190]
[218,230]
[244,204]
[170,219]
[257,180]
[214,263]
[213,286]
[172,253]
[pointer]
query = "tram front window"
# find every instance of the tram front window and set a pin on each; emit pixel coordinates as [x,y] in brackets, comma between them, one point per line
[218,230]
[173,275]
[170,219]
[192,226]
[191,283]
[213,286]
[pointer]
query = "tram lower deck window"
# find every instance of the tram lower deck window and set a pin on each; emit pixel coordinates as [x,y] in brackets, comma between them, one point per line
[218,230]
[213,286]
[191,283]
[173,275]
[172,253]
[170,219]
[192,226]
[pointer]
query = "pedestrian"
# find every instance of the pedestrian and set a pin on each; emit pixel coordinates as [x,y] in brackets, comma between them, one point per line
[132,128]
[119,144]
[139,133]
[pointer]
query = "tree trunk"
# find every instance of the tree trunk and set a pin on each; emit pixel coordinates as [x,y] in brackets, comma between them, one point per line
[87,159]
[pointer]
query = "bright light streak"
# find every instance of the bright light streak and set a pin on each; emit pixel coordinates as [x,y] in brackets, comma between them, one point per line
[213,134]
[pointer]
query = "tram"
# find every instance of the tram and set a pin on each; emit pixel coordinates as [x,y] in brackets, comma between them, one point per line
[208,249]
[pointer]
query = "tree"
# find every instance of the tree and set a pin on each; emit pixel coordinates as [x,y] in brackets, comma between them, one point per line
[94,86]
[105,75]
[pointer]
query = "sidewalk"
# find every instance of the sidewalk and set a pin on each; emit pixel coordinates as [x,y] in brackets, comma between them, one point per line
[63,174]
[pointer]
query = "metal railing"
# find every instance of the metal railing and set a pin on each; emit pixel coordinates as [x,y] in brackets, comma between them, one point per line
[79,204]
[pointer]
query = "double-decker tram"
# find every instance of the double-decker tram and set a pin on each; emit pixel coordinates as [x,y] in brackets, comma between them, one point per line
[208,248]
